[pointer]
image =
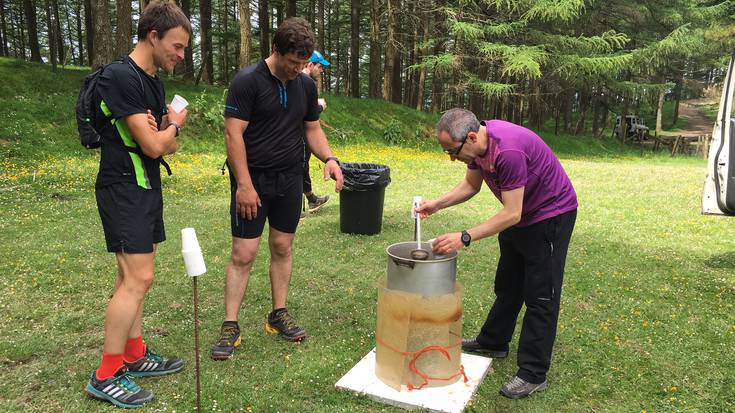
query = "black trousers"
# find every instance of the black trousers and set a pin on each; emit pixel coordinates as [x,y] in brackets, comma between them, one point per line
[307,177]
[531,271]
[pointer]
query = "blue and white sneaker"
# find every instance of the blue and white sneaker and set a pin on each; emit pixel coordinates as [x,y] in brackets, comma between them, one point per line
[119,390]
[154,365]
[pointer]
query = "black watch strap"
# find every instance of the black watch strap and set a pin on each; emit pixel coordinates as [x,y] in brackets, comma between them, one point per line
[333,158]
[178,128]
[466,238]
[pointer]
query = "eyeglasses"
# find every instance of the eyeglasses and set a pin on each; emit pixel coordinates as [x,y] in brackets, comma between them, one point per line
[455,152]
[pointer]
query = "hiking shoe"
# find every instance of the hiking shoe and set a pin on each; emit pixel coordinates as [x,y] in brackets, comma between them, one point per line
[317,202]
[154,365]
[119,390]
[470,345]
[517,388]
[280,322]
[229,338]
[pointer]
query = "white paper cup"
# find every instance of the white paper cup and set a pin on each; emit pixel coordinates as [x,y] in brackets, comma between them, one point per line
[189,240]
[194,263]
[192,253]
[179,103]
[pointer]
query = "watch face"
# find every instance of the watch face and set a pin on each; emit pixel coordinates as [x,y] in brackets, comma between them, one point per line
[465,237]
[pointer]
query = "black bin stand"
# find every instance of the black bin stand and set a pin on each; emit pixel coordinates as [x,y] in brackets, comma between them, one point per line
[361,198]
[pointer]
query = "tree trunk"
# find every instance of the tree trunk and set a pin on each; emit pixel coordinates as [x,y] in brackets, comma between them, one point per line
[264,26]
[70,35]
[355,50]
[290,8]
[336,27]
[225,45]
[124,33]
[425,51]
[205,30]
[32,27]
[583,107]
[320,23]
[51,35]
[437,84]
[677,96]
[391,49]
[188,53]
[279,12]
[659,111]
[375,55]
[59,34]
[245,30]
[103,49]
[89,30]
[22,34]
[3,31]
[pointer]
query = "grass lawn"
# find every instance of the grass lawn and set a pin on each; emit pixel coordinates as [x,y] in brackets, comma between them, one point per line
[647,310]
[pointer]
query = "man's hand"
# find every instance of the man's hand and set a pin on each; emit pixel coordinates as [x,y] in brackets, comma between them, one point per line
[448,243]
[247,202]
[178,118]
[427,208]
[152,121]
[332,170]
[322,103]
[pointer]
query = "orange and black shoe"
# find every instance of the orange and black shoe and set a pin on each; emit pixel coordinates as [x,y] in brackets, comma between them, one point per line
[280,322]
[229,338]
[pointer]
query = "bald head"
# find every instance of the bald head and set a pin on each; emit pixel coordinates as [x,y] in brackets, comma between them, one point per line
[458,123]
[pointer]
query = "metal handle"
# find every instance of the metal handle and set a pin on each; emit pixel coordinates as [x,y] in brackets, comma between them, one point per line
[403,263]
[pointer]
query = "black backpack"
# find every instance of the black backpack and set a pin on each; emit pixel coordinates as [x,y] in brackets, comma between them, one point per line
[88,135]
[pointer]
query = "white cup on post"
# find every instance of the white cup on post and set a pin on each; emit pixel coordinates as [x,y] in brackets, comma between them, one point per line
[192,253]
[179,103]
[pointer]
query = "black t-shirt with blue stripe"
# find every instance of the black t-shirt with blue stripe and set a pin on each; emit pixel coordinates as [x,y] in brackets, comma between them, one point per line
[275,113]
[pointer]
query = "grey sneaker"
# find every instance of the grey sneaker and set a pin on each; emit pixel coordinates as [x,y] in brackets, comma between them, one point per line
[517,388]
[229,338]
[119,390]
[317,202]
[470,345]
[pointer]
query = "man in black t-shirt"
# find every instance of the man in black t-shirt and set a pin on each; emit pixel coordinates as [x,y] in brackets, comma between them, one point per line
[314,70]
[137,129]
[270,107]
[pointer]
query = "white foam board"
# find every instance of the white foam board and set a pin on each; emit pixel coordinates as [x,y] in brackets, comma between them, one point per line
[362,380]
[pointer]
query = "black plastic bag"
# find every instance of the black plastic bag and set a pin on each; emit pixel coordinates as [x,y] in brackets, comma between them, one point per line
[365,176]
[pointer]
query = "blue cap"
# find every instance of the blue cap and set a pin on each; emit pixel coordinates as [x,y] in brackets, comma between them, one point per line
[317,57]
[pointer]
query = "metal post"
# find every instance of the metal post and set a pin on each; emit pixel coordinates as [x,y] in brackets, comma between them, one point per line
[196,343]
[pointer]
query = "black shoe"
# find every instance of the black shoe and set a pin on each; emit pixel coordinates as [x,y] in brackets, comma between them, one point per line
[517,388]
[229,338]
[154,365]
[119,390]
[280,322]
[470,345]
[317,202]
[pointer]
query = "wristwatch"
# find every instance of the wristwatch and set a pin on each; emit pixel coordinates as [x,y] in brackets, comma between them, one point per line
[466,238]
[178,128]
[332,158]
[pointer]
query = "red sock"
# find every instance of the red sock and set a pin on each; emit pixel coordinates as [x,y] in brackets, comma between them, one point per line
[134,349]
[111,363]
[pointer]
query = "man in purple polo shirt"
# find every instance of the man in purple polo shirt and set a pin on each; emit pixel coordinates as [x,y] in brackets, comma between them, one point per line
[534,228]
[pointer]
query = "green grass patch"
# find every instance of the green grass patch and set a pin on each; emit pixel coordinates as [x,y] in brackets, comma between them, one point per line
[649,292]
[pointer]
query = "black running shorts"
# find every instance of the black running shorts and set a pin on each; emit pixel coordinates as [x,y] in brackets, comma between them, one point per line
[280,197]
[132,217]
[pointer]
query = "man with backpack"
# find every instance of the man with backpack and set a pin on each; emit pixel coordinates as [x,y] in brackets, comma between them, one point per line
[136,129]
[271,106]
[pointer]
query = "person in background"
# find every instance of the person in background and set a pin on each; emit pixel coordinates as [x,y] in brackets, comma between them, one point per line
[314,69]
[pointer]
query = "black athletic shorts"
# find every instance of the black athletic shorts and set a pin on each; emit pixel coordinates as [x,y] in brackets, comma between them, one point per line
[280,197]
[132,217]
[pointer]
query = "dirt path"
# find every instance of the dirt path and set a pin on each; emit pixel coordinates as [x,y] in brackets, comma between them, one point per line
[697,123]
